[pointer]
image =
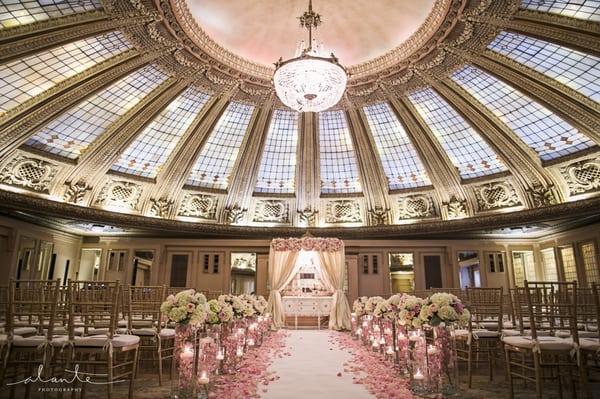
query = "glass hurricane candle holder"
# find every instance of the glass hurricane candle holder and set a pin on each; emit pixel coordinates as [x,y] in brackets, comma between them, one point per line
[186,362]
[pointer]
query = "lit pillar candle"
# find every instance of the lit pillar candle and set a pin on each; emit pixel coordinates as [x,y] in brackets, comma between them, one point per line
[358,331]
[187,353]
[250,342]
[390,350]
[220,354]
[203,378]
[432,350]
[418,375]
[381,340]
[239,352]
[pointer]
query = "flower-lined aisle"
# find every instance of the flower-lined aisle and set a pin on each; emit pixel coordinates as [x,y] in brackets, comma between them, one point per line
[379,376]
[251,377]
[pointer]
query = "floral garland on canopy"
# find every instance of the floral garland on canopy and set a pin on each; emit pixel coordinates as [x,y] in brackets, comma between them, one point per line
[307,243]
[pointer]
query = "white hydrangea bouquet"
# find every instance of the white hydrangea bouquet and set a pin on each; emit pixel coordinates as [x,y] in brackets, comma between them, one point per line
[372,304]
[358,307]
[218,312]
[186,307]
[409,310]
[241,308]
[443,308]
[388,309]
[258,303]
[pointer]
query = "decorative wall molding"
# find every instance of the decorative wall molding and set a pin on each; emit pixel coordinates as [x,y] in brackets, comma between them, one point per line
[582,176]
[419,206]
[75,193]
[161,207]
[201,206]
[496,195]
[28,172]
[343,211]
[379,216]
[308,217]
[274,211]
[121,194]
[456,208]
[234,214]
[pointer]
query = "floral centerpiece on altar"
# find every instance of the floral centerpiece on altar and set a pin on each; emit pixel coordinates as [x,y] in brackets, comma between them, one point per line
[358,307]
[186,307]
[443,308]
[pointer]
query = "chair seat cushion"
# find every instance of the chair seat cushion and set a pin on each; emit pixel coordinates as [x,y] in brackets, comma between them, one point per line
[91,331]
[37,340]
[546,343]
[118,341]
[581,334]
[164,333]
[24,331]
[590,344]
[477,333]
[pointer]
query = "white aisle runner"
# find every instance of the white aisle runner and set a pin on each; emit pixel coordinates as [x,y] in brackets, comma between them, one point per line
[311,371]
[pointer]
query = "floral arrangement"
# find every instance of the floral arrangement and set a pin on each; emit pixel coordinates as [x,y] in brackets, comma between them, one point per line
[240,307]
[409,310]
[307,244]
[186,307]
[258,303]
[358,307]
[218,312]
[372,304]
[388,309]
[443,308]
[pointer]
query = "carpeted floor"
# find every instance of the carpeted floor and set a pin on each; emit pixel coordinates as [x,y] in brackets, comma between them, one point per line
[312,370]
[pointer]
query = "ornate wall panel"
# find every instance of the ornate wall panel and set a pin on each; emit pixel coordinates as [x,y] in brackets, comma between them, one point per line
[120,194]
[496,195]
[417,206]
[272,210]
[200,206]
[343,211]
[582,176]
[28,172]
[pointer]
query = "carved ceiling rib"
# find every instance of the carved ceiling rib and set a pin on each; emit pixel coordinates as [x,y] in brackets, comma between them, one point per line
[96,161]
[15,47]
[177,168]
[245,170]
[570,32]
[308,175]
[18,124]
[374,182]
[578,110]
[443,174]
[522,162]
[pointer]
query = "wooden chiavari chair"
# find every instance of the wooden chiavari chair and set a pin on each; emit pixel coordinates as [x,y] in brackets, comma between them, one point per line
[96,304]
[145,321]
[484,329]
[544,356]
[34,300]
[590,345]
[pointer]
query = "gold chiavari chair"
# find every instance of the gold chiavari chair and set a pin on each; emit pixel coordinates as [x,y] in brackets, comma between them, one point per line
[3,317]
[590,345]
[544,356]
[34,300]
[484,329]
[96,304]
[145,321]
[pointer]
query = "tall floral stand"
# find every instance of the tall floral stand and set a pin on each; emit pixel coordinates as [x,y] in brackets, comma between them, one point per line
[185,386]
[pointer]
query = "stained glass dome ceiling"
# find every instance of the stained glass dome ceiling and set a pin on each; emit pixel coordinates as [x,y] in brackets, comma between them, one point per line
[117,112]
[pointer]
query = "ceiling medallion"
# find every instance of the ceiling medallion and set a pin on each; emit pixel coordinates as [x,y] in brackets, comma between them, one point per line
[311,81]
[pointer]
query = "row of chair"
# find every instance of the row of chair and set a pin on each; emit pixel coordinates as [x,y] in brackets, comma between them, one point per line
[91,325]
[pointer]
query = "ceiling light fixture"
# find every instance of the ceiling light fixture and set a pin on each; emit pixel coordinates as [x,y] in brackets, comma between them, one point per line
[311,81]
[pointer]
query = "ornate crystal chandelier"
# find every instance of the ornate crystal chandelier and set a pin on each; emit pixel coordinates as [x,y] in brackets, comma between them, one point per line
[311,81]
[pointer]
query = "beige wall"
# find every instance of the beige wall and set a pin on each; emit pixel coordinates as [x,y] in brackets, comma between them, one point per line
[67,246]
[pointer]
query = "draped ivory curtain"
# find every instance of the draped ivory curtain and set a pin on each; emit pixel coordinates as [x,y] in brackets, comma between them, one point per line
[282,268]
[334,269]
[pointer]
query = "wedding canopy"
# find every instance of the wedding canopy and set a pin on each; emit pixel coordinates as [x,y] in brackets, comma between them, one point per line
[283,266]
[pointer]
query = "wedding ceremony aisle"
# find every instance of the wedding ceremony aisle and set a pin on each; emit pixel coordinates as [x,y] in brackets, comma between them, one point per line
[314,370]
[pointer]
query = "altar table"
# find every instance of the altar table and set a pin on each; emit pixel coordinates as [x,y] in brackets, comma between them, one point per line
[311,306]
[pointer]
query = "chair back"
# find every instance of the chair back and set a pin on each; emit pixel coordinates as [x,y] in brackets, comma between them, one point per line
[596,299]
[586,310]
[33,300]
[520,308]
[4,293]
[144,306]
[485,305]
[552,307]
[94,304]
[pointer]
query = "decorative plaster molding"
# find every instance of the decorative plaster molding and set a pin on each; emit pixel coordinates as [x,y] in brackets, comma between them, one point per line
[275,211]
[201,206]
[343,211]
[28,172]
